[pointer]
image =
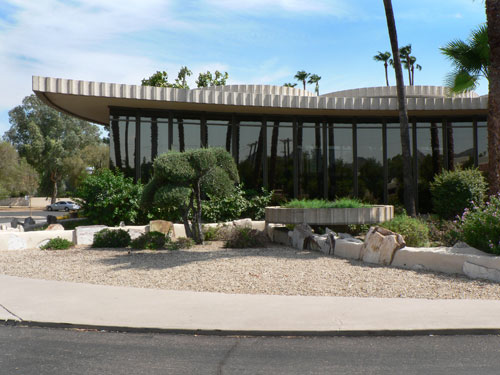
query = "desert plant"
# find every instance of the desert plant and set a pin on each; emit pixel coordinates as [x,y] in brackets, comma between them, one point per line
[453,191]
[111,238]
[149,240]
[441,232]
[180,243]
[57,243]
[108,198]
[243,237]
[479,226]
[415,231]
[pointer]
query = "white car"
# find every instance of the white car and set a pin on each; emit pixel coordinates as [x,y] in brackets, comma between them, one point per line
[63,206]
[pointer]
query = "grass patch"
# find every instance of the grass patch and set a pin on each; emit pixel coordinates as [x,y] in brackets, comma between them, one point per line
[321,203]
[57,243]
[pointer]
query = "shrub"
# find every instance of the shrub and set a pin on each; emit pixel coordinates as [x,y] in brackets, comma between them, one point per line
[108,198]
[210,233]
[111,238]
[480,226]
[149,240]
[441,232]
[414,231]
[243,237]
[181,243]
[57,243]
[453,191]
[321,203]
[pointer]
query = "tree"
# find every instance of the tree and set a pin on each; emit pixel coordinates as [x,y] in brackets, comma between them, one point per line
[180,179]
[206,79]
[180,82]
[409,62]
[470,60]
[302,76]
[314,79]
[409,193]
[17,177]
[289,84]
[159,79]
[384,56]
[48,139]
[492,12]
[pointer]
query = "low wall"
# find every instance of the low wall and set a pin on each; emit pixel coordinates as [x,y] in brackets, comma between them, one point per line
[330,216]
[31,240]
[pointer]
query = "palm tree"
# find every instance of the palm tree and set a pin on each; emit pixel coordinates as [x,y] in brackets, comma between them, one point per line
[289,84]
[409,194]
[404,54]
[384,56]
[314,78]
[470,59]
[492,12]
[302,76]
[412,62]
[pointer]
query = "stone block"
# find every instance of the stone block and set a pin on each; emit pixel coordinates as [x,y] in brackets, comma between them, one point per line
[476,271]
[380,246]
[55,227]
[323,243]
[243,223]
[85,235]
[16,243]
[259,225]
[299,235]
[162,226]
[347,249]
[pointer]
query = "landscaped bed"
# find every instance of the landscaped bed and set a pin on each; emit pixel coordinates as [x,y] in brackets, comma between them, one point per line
[210,267]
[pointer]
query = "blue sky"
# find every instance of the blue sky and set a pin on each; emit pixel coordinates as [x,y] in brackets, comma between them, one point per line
[255,41]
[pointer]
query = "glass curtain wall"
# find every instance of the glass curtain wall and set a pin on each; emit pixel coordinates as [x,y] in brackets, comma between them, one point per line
[310,161]
[280,157]
[219,134]
[340,161]
[250,153]
[370,163]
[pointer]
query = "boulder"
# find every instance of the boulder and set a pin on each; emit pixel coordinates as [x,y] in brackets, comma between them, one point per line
[51,219]
[85,235]
[243,223]
[55,227]
[162,226]
[324,243]
[476,271]
[29,221]
[347,248]
[380,246]
[299,235]
[14,223]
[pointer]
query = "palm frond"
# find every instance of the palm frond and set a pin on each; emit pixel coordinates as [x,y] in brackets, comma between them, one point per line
[461,81]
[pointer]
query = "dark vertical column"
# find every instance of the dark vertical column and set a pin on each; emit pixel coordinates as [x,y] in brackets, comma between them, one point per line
[475,145]
[445,143]
[154,138]
[331,160]
[203,131]
[385,162]
[451,146]
[295,159]
[170,130]
[415,161]
[234,140]
[355,158]
[115,133]
[264,153]
[325,159]
[137,147]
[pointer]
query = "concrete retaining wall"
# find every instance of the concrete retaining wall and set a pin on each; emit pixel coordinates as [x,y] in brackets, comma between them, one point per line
[31,240]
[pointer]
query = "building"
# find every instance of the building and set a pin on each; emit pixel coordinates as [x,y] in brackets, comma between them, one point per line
[287,139]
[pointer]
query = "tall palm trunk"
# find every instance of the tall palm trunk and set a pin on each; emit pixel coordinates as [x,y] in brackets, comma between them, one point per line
[274,154]
[409,194]
[304,82]
[115,130]
[451,148]
[493,18]
[436,165]
[154,138]
[386,73]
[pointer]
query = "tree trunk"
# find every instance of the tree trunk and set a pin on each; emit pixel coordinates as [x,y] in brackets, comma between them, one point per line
[53,178]
[274,154]
[436,165]
[180,123]
[409,194]
[304,82]
[185,218]
[493,18]
[154,138]
[197,229]
[115,129]
[386,73]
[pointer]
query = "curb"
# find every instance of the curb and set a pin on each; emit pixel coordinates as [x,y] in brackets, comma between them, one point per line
[257,333]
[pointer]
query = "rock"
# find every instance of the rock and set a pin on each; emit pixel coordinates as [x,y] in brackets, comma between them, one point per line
[51,219]
[345,236]
[380,246]
[162,226]
[16,243]
[475,271]
[29,221]
[134,233]
[346,248]
[14,223]
[299,235]
[243,223]
[85,235]
[280,235]
[324,243]
[55,227]
[122,224]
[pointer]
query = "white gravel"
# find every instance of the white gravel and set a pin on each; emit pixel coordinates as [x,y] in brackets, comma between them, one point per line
[211,268]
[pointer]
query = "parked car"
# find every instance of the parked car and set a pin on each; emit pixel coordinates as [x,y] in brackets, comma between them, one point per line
[63,205]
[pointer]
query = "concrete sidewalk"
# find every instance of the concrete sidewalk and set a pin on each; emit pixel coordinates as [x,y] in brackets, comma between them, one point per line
[54,303]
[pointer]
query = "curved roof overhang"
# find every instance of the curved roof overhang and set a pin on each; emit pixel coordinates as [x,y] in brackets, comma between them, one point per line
[92,101]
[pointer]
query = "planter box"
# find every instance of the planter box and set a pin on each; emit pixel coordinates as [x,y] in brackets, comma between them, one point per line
[329,216]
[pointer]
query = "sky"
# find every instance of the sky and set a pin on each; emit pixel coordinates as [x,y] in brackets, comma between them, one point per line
[255,41]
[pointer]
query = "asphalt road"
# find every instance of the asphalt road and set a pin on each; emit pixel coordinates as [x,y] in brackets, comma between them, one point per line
[7,214]
[40,351]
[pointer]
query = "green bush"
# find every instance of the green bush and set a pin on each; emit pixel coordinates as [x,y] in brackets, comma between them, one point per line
[441,232]
[453,191]
[479,226]
[149,240]
[321,203]
[210,233]
[57,243]
[414,231]
[180,243]
[243,237]
[108,198]
[111,238]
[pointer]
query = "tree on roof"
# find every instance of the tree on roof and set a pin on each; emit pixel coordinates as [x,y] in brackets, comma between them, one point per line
[384,57]
[302,76]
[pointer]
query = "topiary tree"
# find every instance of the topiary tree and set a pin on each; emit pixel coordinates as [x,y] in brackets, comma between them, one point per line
[180,179]
[454,191]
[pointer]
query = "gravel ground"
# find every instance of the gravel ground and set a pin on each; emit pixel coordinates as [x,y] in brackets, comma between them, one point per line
[211,268]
